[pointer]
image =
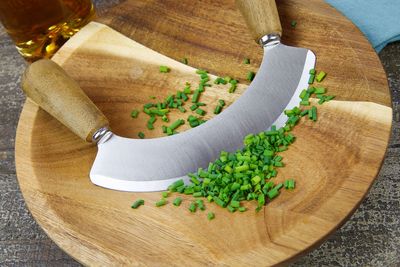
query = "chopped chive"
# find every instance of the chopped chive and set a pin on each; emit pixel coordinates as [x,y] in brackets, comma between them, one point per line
[176,124]
[185,61]
[200,111]
[176,184]
[152,97]
[193,207]
[235,204]
[177,201]
[303,93]
[305,103]
[165,194]
[227,79]
[197,194]
[321,75]
[137,203]
[200,104]
[200,204]
[210,216]
[230,208]
[311,79]
[164,69]
[134,113]
[312,71]
[169,131]
[293,23]
[221,102]
[182,109]
[246,61]
[250,75]
[141,135]
[195,97]
[148,105]
[194,107]
[320,90]
[273,193]
[161,202]
[314,113]
[242,209]
[217,109]
[165,118]
[304,112]
[200,71]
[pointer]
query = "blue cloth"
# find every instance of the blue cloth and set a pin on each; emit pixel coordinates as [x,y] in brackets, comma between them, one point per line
[379,20]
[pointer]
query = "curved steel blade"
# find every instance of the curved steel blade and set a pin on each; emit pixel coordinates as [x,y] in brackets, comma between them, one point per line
[153,164]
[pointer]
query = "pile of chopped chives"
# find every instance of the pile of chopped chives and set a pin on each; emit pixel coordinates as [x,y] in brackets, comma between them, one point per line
[244,175]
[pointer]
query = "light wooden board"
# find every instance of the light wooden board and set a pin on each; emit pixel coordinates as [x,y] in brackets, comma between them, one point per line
[334,160]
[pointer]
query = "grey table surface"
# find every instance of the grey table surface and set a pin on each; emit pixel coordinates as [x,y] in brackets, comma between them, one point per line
[371,237]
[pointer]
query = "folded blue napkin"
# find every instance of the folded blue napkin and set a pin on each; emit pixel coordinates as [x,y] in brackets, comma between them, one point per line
[377,19]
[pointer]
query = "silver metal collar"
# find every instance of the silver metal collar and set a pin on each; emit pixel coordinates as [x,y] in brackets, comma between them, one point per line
[270,40]
[102,134]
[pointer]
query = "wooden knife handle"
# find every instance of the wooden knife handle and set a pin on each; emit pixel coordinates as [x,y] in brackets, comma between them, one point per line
[261,17]
[49,86]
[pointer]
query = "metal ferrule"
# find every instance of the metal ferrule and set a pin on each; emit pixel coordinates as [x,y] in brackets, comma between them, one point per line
[101,135]
[270,40]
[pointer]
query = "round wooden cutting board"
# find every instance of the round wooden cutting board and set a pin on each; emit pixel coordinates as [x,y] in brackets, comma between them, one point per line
[334,160]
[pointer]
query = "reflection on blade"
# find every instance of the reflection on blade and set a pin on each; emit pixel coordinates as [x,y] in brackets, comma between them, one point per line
[153,164]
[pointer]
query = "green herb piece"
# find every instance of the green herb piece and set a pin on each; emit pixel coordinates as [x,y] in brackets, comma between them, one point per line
[314,113]
[230,208]
[141,135]
[320,90]
[152,97]
[246,61]
[217,109]
[193,207]
[197,194]
[200,204]
[175,185]
[273,193]
[321,75]
[134,113]
[182,109]
[177,201]
[200,71]
[311,79]
[221,102]
[210,216]
[293,23]
[250,75]
[161,202]
[289,184]
[312,71]
[169,131]
[194,107]
[195,97]
[200,104]
[242,209]
[200,111]
[235,204]
[304,112]
[176,124]
[164,69]
[305,103]
[220,80]
[227,79]
[165,118]
[165,194]
[137,203]
[185,61]
[148,105]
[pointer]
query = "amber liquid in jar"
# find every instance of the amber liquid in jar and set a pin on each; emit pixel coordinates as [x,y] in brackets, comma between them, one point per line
[40,27]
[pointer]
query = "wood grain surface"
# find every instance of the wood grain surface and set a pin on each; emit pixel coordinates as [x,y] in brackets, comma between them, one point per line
[334,160]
